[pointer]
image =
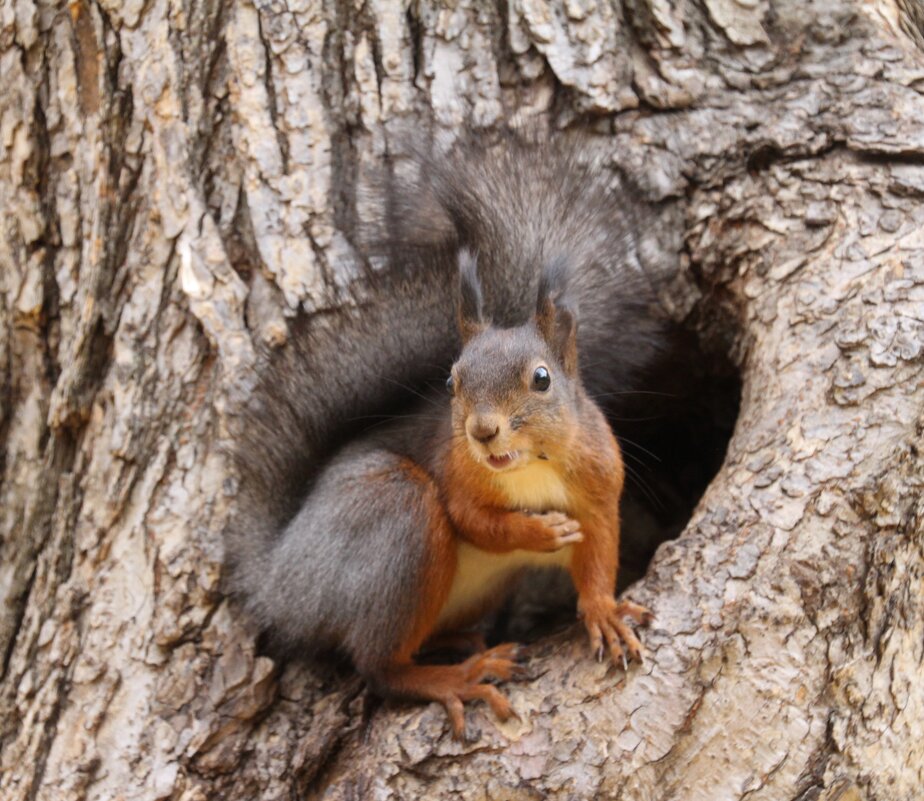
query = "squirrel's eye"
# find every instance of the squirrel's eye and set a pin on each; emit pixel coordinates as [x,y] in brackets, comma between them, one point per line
[541,379]
[450,385]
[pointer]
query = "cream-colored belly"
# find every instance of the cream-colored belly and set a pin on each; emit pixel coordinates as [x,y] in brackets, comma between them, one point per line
[482,575]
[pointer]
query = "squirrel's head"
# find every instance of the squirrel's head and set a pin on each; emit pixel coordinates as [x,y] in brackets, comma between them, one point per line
[515,390]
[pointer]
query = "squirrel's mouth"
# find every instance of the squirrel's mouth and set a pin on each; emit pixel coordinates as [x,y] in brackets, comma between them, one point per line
[503,460]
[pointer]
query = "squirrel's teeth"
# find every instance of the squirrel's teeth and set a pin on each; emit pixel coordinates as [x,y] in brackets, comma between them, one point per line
[502,460]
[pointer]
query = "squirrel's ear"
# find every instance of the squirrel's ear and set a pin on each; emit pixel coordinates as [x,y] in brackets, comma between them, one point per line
[555,317]
[470,312]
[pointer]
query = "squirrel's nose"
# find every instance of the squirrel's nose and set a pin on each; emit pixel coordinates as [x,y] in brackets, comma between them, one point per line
[483,429]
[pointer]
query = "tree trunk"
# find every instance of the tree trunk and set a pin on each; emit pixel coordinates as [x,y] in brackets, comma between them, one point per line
[176,179]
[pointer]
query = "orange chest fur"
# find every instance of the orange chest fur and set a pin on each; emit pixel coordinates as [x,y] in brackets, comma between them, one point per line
[481,575]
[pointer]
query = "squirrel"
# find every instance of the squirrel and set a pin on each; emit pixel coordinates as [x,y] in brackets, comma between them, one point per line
[411,531]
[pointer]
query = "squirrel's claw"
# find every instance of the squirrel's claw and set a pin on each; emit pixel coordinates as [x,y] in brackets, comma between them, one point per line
[456,712]
[641,615]
[519,672]
[603,619]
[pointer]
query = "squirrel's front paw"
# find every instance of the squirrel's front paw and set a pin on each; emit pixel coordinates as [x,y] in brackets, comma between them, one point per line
[603,618]
[559,530]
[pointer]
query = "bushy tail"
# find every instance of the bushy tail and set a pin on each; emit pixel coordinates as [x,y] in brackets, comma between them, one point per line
[522,204]
[338,373]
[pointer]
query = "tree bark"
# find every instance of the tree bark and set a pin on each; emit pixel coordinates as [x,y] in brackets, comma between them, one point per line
[176,179]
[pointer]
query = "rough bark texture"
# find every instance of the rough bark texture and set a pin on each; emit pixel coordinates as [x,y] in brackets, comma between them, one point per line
[174,179]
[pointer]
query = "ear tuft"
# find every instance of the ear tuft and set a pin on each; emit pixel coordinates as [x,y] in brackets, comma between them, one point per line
[556,317]
[470,310]
[553,282]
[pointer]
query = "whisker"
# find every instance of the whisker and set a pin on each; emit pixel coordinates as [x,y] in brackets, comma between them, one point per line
[644,487]
[642,448]
[387,417]
[635,419]
[430,400]
[619,393]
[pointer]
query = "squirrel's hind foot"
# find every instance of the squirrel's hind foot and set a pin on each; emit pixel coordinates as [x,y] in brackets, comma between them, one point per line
[453,685]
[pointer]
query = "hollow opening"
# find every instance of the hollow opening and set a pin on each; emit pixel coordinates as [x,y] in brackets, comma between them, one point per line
[674,432]
[673,428]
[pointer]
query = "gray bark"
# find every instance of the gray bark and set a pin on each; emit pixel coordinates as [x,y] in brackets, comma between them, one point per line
[175,177]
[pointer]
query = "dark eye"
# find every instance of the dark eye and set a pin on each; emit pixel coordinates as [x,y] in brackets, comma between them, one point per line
[450,385]
[541,379]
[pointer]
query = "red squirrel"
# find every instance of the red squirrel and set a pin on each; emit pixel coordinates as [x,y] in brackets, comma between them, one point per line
[414,529]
